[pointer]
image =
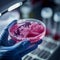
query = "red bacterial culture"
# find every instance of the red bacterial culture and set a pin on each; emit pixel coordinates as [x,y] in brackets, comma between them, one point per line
[31,30]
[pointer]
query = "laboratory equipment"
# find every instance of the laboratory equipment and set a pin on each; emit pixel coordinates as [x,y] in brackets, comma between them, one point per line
[25,10]
[56,29]
[46,14]
[57,2]
[7,4]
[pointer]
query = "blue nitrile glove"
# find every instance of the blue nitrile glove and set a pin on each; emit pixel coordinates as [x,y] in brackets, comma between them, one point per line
[14,51]
[5,34]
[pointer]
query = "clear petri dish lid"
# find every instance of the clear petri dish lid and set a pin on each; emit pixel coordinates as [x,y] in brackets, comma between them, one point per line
[31,38]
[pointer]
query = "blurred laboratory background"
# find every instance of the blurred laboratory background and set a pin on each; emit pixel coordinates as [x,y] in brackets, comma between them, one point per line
[48,11]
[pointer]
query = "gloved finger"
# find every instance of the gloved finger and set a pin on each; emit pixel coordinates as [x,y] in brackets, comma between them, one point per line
[26,45]
[11,42]
[4,35]
[4,38]
[26,51]
[33,47]
[29,49]
[39,42]
[19,47]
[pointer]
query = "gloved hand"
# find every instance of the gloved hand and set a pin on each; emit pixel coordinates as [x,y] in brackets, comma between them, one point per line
[9,50]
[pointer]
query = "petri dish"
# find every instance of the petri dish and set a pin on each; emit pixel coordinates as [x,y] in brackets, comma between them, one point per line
[27,29]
